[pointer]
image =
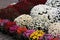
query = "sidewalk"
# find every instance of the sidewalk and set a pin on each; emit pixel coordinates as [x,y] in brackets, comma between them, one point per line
[5,37]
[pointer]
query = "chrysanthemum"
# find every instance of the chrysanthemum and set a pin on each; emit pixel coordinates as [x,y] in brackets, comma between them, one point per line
[54,29]
[53,3]
[41,21]
[44,9]
[36,35]
[56,4]
[24,20]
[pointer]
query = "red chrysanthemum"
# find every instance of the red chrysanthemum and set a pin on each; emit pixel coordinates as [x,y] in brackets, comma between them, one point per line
[35,2]
[23,7]
[20,30]
[9,24]
[13,29]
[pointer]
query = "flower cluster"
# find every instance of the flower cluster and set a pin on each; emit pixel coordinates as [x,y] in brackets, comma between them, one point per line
[54,29]
[32,23]
[41,24]
[9,24]
[35,35]
[53,3]
[2,23]
[56,4]
[21,30]
[44,9]
[30,34]
[11,27]
[24,20]
[41,21]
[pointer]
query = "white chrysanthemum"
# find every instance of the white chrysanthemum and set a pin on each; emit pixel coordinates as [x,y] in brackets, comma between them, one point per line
[41,21]
[56,4]
[44,9]
[54,29]
[24,20]
[53,3]
[37,10]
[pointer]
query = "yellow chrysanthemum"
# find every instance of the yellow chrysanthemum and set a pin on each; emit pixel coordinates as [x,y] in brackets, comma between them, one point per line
[40,33]
[37,34]
[34,37]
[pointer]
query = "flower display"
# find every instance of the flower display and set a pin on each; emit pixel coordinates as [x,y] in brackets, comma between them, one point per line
[21,32]
[35,35]
[54,29]
[24,20]
[32,20]
[44,9]
[41,21]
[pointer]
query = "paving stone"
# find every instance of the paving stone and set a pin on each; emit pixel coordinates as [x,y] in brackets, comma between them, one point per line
[5,37]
